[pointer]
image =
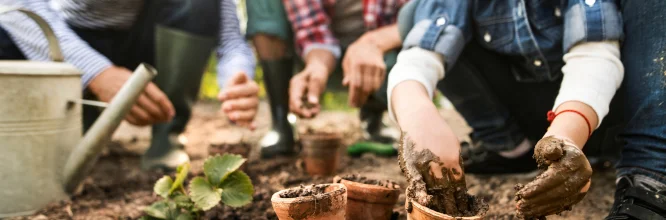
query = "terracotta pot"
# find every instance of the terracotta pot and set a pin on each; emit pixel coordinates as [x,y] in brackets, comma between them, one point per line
[420,212]
[366,201]
[321,152]
[329,206]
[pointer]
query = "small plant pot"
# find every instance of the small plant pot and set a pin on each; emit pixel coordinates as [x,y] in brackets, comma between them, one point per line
[419,212]
[321,153]
[328,205]
[367,201]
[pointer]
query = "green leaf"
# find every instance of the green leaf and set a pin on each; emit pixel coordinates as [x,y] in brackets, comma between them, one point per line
[237,189]
[204,195]
[183,201]
[219,167]
[163,186]
[185,216]
[157,210]
[181,174]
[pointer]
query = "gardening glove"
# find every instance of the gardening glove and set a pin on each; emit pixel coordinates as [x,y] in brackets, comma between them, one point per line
[364,71]
[564,183]
[431,182]
[240,100]
[305,89]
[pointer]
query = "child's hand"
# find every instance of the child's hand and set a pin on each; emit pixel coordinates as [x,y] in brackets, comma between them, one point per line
[433,180]
[240,99]
[564,183]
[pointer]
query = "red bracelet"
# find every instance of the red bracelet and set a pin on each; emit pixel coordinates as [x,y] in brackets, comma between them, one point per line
[552,115]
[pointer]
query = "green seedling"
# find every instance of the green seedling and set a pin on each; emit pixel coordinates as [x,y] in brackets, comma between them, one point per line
[222,183]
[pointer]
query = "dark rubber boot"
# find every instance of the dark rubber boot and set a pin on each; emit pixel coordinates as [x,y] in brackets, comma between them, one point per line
[280,140]
[371,115]
[181,59]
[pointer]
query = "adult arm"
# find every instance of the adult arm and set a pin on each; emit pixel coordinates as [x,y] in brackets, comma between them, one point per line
[30,39]
[235,70]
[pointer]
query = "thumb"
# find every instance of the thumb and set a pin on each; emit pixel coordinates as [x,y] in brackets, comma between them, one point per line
[238,78]
[314,90]
[549,148]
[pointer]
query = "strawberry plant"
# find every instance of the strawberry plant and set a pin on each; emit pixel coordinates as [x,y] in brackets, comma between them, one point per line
[222,183]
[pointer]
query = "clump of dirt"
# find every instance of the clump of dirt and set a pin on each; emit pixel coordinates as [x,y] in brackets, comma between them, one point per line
[444,193]
[362,179]
[302,191]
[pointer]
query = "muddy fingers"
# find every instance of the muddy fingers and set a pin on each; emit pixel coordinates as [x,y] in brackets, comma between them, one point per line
[564,183]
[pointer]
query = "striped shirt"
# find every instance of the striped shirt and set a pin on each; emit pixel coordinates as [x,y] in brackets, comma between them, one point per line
[233,53]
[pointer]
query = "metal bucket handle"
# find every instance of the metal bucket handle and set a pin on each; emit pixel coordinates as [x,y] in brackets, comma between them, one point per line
[54,47]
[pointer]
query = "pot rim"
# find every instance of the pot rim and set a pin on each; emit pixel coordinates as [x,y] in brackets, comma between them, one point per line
[339,190]
[369,186]
[42,68]
[432,213]
[371,189]
[321,136]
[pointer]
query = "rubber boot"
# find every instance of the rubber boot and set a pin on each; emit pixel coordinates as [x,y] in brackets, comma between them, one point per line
[280,140]
[181,59]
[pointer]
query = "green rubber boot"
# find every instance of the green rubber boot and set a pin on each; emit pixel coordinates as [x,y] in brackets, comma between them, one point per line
[280,140]
[180,59]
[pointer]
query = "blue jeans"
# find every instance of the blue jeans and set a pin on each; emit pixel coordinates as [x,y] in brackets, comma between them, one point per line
[503,111]
[644,58]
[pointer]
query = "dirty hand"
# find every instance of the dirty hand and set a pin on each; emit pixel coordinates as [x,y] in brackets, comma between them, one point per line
[564,183]
[433,180]
[152,106]
[364,71]
[305,89]
[240,100]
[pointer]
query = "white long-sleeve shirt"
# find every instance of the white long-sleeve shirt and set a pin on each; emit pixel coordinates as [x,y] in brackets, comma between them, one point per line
[234,54]
[592,74]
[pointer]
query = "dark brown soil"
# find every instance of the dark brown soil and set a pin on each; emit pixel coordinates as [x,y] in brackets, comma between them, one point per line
[362,179]
[303,191]
[118,189]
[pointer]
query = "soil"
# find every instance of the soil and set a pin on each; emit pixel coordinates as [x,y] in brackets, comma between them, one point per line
[362,179]
[302,191]
[118,189]
[439,192]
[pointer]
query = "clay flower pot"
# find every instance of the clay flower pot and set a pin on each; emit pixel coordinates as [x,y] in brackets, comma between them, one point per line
[368,201]
[328,205]
[420,212]
[321,152]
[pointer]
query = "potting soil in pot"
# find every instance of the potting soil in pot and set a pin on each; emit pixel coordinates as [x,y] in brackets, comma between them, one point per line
[302,191]
[361,179]
[438,194]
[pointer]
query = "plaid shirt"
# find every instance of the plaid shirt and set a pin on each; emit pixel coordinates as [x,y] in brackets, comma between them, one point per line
[311,22]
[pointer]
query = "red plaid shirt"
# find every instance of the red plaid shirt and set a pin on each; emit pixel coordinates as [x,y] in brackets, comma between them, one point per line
[310,20]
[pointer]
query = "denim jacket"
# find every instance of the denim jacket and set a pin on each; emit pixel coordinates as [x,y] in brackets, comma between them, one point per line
[535,34]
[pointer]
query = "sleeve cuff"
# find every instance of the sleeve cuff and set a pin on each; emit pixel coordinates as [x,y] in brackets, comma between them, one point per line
[437,36]
[333,48]
[91,68]
[591,21]
[592,74]
[226,68]
[423,66]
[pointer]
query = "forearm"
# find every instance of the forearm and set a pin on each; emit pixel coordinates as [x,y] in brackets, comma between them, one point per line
[321,59]
[234,54]
[29,38]
[572,125]
[592,75]
[385,38]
